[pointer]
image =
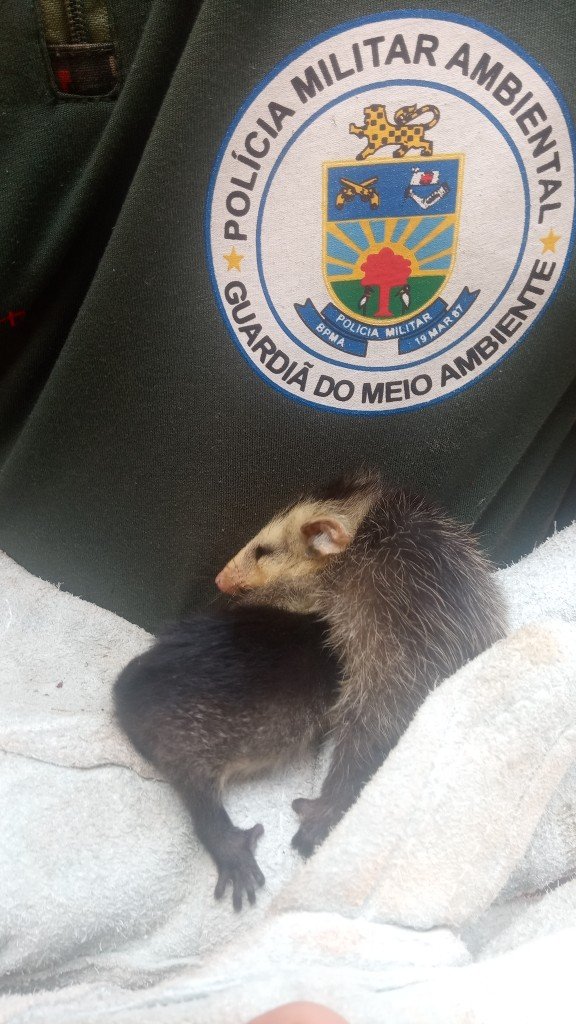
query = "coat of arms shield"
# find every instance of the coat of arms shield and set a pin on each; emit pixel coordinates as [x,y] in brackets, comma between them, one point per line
[390,234]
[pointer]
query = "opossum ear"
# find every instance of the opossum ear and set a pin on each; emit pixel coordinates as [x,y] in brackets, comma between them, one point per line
[326,536]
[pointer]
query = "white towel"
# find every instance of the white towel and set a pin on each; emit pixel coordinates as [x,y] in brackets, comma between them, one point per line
[106,896]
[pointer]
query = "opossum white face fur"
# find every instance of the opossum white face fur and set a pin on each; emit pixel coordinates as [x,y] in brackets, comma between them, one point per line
[301,540]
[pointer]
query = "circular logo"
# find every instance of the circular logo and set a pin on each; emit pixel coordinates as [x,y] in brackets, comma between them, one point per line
[391,211]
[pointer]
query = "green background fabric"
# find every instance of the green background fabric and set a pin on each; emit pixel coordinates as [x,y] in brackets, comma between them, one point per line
[138,450]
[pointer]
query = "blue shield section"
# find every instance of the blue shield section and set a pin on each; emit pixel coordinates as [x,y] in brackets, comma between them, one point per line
[390,181]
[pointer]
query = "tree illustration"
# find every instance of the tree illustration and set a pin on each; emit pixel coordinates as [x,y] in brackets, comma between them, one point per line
[385,270]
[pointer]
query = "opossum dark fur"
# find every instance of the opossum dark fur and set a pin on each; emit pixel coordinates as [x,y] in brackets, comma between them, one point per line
[222,696]
[405,597]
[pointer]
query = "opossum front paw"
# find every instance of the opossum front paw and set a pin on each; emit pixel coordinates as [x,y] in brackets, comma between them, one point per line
[237,865]
[316,822]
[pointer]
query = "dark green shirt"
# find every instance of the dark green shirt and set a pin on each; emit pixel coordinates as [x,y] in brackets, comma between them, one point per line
[147,427]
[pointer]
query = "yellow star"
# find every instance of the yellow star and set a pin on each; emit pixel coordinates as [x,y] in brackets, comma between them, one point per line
[550,241]
[234,259]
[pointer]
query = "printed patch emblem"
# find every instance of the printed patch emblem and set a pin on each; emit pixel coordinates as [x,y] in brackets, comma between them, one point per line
[391,211]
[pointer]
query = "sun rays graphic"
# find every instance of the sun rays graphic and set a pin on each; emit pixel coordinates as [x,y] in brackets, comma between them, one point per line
[426,241]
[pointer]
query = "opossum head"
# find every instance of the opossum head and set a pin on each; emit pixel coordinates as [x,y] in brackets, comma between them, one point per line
[301,541]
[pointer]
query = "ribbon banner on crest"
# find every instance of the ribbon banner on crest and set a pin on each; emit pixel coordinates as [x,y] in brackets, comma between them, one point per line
[343,332]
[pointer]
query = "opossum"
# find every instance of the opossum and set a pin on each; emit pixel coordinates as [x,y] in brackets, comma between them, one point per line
[351,604]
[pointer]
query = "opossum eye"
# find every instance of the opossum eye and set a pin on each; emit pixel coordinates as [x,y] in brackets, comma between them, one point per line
[261,550]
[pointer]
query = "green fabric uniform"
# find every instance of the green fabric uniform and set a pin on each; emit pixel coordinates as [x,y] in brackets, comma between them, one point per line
[138,449]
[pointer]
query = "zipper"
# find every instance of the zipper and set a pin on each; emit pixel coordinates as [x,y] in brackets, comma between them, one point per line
[76,18]
[80,48]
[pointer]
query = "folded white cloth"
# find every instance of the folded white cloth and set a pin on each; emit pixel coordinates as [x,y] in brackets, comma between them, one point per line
[450,854]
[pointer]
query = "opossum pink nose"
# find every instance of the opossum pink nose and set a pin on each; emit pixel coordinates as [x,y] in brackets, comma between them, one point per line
[226,582]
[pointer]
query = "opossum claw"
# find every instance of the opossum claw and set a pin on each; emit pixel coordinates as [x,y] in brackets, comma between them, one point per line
[317,820]
[237,864]
[309,836]
[301,804]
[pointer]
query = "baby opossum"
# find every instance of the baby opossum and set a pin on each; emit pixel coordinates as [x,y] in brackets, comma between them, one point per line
[353,604]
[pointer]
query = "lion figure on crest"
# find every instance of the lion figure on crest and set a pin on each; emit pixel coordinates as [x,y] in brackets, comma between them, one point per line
[379,131]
